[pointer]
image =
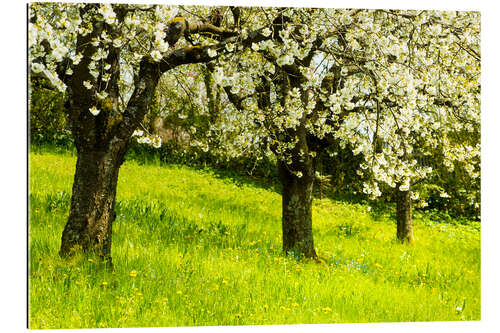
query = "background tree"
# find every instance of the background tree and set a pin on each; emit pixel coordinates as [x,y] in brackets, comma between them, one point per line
[381,82]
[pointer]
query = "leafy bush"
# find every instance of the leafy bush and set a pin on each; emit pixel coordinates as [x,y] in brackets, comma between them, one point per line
[47,119]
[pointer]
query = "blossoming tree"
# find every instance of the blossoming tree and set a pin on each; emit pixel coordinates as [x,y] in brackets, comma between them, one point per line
[390,84]
[108,60]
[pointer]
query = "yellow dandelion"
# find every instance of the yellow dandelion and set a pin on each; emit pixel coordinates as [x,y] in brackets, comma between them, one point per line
[327,309]
[238,315]
[139,294]
[295,304]
[133,273]
[165,299]
[224,282]
[104,283]
[266,306]
[179,292]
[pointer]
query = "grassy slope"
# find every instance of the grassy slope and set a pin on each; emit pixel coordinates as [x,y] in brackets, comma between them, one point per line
[206,251]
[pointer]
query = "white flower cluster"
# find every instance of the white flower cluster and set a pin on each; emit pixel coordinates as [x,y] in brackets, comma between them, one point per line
[389,93]
[403,87]
[58,26]
[150,140]
[107,13]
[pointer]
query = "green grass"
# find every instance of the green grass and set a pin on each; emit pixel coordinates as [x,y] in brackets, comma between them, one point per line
[192,248]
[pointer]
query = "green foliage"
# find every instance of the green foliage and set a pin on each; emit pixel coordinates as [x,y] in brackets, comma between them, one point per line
[172,152]
[191,247]
[340,165]
[464,193]
[47,116]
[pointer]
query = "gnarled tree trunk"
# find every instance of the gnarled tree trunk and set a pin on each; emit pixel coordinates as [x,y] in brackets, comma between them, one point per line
[101,141]
[403,216]
[297,199]
[91,217]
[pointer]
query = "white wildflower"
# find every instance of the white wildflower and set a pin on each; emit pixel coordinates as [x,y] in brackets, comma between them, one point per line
[77,59]
[102,95]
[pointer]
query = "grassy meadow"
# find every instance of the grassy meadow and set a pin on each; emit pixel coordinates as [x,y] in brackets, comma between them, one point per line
[191,248]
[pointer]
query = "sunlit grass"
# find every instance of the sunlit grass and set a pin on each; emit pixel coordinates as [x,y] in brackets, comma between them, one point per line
[191,248]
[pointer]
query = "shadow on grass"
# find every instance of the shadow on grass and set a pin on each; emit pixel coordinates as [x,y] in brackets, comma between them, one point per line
[168,225]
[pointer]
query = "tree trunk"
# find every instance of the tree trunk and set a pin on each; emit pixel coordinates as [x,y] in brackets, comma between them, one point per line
[212,95]
[403,216]
[91,217]
[297,210]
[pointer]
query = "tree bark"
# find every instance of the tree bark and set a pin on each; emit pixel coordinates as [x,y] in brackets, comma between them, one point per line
[91,217]
[213,97]
[297,210]
[404,216]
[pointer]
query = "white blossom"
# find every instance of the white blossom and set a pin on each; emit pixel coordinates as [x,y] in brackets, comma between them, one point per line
[156,55]
[37,67]
[87,84]
[108,14]
[211,52]
[266,32]
[77,59]
[94,111]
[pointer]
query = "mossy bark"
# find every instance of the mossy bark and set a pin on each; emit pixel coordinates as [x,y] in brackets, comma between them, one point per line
[297,211]
[89,226]
[101,142]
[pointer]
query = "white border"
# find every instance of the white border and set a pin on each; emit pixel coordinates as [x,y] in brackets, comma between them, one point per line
[14,172]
